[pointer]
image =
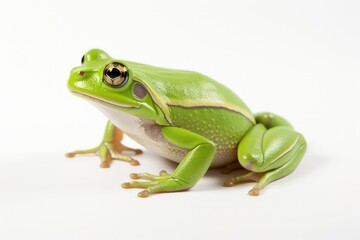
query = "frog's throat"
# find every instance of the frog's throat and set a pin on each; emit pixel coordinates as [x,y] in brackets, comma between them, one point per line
[103,102]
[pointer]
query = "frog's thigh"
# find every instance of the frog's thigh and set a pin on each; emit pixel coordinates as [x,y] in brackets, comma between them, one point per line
[275,152]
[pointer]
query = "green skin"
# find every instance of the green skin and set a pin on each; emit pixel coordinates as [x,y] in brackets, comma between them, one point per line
[188,118]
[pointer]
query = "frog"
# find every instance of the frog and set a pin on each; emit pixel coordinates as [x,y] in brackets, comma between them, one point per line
[186,117]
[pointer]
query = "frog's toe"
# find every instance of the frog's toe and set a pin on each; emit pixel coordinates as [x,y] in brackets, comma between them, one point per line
[137,184]
[125,158]
[104,165]
[131,150]
[118,155]
[135,176]
[165,185]
[147,176]
[144,194]
[82,152]
[161,183]
[70,155]
[163,173]
[153,180]
[229,183]
[137,151]
[126,185]
[120,148]
[248,177]
[134,162]
[254,192]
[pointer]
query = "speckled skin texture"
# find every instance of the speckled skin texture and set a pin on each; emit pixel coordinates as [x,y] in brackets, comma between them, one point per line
[207,122]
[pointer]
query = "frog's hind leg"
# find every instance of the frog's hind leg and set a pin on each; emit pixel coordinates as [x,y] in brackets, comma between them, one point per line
[247,177]
[270,120]
[269,154]
[272,175]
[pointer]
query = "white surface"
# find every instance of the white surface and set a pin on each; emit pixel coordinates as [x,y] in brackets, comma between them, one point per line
[299,59]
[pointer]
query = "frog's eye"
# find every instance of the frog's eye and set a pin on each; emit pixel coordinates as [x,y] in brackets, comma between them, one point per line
[83,59]
[115,75]
[139,90]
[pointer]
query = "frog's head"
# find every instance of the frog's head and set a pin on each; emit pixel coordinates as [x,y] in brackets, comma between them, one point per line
[109,83]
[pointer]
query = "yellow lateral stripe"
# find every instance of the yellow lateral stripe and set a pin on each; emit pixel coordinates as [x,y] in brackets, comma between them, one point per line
[285,152]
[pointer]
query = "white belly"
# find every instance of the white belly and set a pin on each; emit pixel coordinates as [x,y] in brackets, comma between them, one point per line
[148,134]
[145,132]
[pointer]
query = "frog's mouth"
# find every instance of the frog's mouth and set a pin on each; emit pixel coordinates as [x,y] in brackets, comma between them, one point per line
[103,102]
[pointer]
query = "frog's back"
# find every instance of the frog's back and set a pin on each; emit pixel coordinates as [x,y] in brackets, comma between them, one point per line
[190,89]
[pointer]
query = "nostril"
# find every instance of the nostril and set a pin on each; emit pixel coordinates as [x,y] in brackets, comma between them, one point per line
[82,73]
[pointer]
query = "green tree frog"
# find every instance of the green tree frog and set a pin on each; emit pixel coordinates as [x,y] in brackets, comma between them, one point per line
[186,117]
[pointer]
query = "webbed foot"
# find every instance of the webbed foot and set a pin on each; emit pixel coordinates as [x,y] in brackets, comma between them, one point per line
[164,182]
[110,149]
[108,152]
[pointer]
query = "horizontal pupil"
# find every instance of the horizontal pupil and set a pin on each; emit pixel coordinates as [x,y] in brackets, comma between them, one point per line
[114,73]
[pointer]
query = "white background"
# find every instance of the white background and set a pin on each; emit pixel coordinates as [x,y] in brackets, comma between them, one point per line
[296,58]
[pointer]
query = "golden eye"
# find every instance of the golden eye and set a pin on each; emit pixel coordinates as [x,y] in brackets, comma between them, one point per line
[115,75]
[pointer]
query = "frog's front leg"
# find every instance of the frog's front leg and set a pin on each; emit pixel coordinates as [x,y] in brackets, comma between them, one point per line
[194,165]
[268,154]
[110,148]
